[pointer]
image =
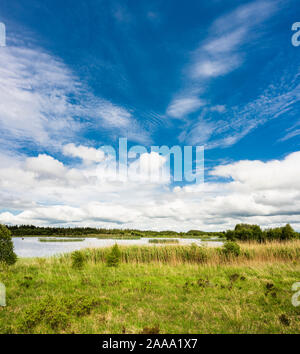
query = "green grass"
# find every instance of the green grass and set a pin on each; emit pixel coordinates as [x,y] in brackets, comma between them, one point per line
[51,297]
[165,292]
[46,239]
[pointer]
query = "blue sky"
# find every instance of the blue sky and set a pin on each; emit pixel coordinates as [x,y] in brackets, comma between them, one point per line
[222,74]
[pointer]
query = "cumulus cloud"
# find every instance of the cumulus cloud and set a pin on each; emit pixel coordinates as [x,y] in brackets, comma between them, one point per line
[45,166]
[149,167]
[87,154]
[258,175]
[267,193]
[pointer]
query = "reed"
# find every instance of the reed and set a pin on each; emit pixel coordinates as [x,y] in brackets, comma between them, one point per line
[46,239]
[162,240]
[118,237]
[250,253]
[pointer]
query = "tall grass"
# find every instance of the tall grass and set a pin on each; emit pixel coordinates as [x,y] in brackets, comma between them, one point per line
[250,253]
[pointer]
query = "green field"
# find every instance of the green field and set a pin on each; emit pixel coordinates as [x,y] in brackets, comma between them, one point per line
[169,289]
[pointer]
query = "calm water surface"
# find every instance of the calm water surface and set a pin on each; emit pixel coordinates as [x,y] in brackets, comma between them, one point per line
[31,247]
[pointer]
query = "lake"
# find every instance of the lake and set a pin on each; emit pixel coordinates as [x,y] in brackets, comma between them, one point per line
[32,247]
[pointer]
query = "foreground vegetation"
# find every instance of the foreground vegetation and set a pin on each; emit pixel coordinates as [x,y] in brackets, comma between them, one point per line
[247,254]
[170,289]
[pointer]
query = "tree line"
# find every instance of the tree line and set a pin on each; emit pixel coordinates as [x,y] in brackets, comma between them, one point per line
[241,232]
[246,232]
[31,230]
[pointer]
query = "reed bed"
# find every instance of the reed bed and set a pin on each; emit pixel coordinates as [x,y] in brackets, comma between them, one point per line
[46,239]
[173,254]
[118,237]
[162,240]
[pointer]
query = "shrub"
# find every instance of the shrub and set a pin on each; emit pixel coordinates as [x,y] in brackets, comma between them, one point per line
[231,248]
[7,254]
[230,235]
[56,312]
[77,260]
[114,257]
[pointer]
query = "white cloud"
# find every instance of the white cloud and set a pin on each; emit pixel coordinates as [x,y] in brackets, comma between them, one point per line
[149,167]
[45,166]
[199,133]
[43,102]
[279,97]
[222,52]
[257,175]
[225,43]
[218,108]
[290,135]
[33,96]
[181,107]
[87,154]
[215,67]
[267,193]
[246,16]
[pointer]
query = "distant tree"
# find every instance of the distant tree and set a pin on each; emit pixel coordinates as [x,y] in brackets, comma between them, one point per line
[242,226]
[244,234]
[287,232]
[257,233]
[230,235]
[7,254]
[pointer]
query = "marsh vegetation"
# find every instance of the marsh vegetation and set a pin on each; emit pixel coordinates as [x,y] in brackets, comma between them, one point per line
[241,287]
[168,289]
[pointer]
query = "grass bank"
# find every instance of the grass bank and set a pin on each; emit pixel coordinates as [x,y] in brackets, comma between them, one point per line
[46,239]
[162,291]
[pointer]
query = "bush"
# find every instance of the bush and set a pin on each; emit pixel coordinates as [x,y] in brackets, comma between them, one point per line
[7,254]
[77,260]
[114,257]
[56,312]
[230,235]
[231,248]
